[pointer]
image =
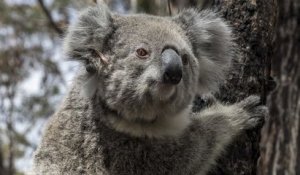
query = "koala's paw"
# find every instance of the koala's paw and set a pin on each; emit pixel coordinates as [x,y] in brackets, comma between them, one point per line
[256,113]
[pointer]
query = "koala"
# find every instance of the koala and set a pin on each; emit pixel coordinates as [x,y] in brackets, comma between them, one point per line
[128,111]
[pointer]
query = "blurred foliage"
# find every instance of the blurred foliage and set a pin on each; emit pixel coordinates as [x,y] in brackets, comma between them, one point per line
[27,48]
[31,78]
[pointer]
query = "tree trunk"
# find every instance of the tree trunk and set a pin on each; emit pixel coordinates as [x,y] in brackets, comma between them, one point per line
[253,22]
[2,171]
[281,135]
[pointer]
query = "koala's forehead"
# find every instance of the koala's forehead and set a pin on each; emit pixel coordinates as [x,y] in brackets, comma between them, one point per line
[138,28]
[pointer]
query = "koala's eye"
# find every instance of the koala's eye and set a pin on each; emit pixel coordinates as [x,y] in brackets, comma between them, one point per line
[142,53]
[185,59]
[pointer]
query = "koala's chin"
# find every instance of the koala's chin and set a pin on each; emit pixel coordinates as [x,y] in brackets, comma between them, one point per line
[150,102]
[163,92]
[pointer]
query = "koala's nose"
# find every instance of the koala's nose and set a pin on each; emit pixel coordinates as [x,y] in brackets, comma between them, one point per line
[171,67]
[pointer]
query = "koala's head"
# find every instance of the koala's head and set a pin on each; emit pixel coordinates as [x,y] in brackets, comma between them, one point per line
[145,66]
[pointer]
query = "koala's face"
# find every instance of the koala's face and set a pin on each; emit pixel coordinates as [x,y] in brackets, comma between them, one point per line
[153,72]
[146,67]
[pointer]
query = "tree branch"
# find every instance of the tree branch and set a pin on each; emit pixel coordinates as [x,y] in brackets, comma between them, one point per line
[50,19]
[169,8]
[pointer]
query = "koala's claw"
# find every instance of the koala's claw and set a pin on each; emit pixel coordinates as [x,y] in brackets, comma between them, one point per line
[257,112]
[260,111]
[250,102]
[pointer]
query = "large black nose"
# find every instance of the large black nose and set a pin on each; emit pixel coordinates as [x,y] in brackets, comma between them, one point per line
[171,67]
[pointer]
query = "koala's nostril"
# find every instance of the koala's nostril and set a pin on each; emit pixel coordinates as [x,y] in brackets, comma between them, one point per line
[172,76]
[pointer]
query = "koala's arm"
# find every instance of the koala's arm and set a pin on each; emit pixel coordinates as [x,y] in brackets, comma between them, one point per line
[221,123]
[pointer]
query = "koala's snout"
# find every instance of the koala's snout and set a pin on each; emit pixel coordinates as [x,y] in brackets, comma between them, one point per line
[171,67]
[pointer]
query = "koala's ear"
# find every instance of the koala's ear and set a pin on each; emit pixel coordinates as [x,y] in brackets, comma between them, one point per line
[86,38]
[212,43]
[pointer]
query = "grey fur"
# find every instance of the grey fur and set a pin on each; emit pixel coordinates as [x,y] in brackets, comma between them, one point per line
[127,122]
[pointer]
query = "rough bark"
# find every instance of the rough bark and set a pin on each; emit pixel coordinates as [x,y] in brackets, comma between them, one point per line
[281,135]
[254,24]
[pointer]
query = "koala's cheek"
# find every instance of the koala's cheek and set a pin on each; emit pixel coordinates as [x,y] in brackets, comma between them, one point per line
[192,80]
[141,89]
[113,87]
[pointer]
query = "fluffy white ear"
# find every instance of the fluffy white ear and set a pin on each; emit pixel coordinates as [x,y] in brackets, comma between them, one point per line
[85,39]
[212,43]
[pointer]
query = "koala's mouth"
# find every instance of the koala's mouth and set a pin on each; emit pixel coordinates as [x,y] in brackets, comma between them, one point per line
[162,91]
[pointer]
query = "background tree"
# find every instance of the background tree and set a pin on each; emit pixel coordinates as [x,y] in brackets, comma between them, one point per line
[280,153]
[2,170]
[254,23]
